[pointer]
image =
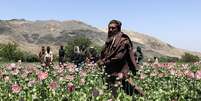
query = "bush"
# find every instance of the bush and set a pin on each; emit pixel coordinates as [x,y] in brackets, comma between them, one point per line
[187,57]
[19,55]
[56,57]
[28,57]
[98,49]
[168,59]
[9,52]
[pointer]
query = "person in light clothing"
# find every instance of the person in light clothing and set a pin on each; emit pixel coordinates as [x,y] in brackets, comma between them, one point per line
[48,58]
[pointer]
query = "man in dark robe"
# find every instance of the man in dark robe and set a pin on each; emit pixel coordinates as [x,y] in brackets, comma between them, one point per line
[118,58]
[139,56]
[61,55]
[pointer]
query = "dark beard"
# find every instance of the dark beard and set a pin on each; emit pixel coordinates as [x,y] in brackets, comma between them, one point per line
[112,33]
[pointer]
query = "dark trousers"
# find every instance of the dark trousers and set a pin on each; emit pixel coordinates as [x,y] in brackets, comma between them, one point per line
[61,60]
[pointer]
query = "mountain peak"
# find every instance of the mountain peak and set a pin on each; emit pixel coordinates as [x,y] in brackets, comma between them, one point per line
[54,33]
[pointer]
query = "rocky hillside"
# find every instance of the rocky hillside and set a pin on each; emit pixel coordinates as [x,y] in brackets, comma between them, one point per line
[30,35]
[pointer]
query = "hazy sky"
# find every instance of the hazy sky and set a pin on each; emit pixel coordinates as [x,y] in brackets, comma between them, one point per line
[176,22]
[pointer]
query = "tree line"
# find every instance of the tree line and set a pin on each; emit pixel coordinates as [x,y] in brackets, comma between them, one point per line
[10,52]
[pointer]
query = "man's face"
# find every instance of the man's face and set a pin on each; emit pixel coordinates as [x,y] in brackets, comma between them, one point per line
[112,29]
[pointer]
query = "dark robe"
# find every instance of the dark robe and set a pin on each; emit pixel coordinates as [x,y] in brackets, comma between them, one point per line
[61,56]
[118,56]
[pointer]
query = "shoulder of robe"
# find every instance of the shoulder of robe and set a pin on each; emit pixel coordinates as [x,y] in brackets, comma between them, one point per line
[125,39]
[124,35]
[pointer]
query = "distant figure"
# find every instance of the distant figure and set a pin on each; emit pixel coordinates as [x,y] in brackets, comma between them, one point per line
[155,60]
[76,49]
[91,54]
[48,57]
[42,55]
[19,62]
[61,55]
[78,56]
[139,56]
[87,60]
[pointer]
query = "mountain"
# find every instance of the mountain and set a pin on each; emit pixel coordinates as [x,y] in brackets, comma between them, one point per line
[31,35]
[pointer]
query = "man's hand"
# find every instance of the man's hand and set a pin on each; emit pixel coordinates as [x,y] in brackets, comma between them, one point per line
[120,76]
